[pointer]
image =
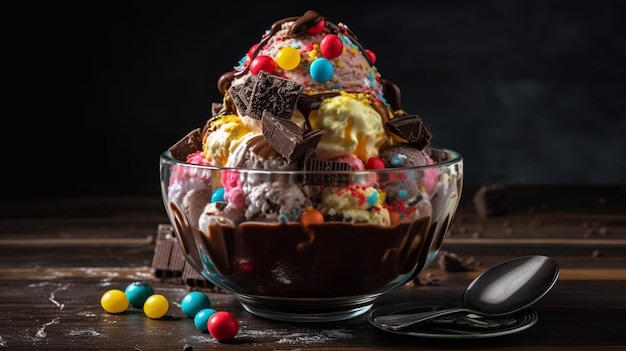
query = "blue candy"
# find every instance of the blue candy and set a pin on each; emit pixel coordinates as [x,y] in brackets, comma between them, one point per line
[321,70]
[218,195]
[138,293]
[193,302]
[201,319]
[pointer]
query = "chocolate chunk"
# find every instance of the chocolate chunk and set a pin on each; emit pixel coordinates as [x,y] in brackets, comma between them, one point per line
[286,138]
[242,94]
[392,94]
[216,108]
[451,262]
[191,143]
[274,94]
[490,200]
[411,128]
[327,175]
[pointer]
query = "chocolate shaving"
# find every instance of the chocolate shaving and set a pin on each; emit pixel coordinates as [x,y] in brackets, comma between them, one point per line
[191,143]
[274,94]
[328,176]
[411,128]
[286,138]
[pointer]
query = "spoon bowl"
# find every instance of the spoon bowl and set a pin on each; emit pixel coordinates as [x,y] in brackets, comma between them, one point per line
[504,289]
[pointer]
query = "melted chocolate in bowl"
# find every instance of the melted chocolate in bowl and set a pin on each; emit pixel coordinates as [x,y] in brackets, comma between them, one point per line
[319,261]
[286,270]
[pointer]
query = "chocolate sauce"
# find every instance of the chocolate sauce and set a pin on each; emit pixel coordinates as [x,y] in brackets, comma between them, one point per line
[327,260]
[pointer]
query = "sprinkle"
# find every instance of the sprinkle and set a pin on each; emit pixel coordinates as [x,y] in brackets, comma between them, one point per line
[282,218]
[372,198]
[398,160]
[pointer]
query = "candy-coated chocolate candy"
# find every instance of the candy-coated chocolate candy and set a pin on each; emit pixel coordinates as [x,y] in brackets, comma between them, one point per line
[156,306]
[193,302]
[375,163]
[114,301]
[223,326]
[317,28]
[371,55]
[331,46]
[398,160]
[218,195]
[311,216]
[252,50]
[201,319]
[288,58]
[321,70]
[137,293]
[394,217]
[372,199]
[262,63]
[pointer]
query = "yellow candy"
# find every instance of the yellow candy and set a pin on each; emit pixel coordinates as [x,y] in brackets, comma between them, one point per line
[288,58]
[114,301]
[156,306]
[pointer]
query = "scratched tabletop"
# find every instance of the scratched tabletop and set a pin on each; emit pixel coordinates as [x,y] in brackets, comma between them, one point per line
[60,253]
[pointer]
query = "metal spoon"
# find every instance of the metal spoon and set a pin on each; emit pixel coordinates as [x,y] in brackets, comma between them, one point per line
[504,289]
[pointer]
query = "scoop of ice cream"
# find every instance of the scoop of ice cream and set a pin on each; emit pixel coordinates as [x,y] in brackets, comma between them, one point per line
[253,152]
[404,155]
[356,204]
[314,51]
[222,137]
[351,126]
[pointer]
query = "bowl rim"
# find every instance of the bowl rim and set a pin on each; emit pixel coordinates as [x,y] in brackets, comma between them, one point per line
[456,157]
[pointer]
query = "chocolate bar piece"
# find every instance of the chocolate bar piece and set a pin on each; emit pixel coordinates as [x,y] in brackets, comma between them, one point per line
[191,143]
[411,128]
[326,175]
[168,260]
[286,138]
[191,277]
[274,94]
[170,264]
[241,95]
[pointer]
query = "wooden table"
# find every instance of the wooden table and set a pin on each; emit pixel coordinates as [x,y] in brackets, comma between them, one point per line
[61,253]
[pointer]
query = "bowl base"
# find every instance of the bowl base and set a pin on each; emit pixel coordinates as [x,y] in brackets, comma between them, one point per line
[307,310]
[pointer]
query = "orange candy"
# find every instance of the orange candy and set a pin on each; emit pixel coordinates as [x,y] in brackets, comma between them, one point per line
[394,217]
[311,216]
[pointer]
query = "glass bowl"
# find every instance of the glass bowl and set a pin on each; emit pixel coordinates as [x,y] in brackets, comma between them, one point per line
[311,245]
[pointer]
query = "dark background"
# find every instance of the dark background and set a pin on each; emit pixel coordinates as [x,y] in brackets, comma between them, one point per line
[530,92]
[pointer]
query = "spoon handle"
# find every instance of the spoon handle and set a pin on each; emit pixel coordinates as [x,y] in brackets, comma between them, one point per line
[400,321]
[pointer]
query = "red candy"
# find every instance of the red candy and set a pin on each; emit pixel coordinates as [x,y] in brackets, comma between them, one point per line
[317,28]
[331,46]
[371,55]
[375,163]
[252,50]
[262,63]
[223,326]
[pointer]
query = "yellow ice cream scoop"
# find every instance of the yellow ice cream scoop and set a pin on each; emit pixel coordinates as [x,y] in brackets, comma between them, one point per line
[357,204]
[351,126]
[222,137]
